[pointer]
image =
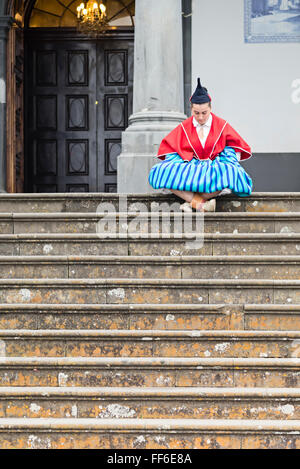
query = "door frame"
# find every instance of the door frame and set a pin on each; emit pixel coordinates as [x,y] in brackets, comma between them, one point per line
[125,33]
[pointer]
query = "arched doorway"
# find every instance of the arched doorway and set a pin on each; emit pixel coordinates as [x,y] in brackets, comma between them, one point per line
[78,96]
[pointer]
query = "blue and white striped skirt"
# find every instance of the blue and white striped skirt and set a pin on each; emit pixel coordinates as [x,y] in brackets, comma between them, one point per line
[224,172]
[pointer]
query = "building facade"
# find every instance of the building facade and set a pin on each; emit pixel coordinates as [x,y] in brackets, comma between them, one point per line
[86,114]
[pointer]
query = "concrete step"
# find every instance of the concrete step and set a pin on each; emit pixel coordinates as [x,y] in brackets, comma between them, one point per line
[164,291]
[150,372]
[149,343]
[203,348]
[136,224]
[89,202]
[159,245]
[271,317]
[148,433]
[185,267]
[159,402]
[279,317]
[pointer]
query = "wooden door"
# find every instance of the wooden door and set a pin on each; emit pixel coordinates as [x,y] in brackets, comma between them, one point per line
[78,97]
[114,94]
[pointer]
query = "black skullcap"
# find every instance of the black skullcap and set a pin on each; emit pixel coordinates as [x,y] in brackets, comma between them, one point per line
[200,95]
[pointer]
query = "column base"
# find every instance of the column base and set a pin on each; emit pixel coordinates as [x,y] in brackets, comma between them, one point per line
[133,171]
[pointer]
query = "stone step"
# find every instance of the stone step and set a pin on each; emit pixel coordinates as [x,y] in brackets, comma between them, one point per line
[150,372]
[185,267]
[89,202]
[150,316]
[158,245]
[159,402]
[149,343]
[96,433]
[271,317]
[165,291]
[136,224]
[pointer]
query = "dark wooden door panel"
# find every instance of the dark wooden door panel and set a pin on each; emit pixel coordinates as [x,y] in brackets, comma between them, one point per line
[78,99]
[61,116]
[114,94]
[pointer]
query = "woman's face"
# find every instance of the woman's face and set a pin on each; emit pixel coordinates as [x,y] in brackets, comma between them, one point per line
[201,112]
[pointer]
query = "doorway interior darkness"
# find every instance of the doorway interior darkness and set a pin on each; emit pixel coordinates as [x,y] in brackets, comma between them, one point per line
[78,96]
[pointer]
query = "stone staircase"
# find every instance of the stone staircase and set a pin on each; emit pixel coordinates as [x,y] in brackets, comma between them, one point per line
[142,341]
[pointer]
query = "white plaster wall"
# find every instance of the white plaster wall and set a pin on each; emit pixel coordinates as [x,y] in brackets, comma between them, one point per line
[253,86]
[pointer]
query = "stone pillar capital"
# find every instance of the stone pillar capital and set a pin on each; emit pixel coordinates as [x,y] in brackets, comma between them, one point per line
[155,121]
[5,25]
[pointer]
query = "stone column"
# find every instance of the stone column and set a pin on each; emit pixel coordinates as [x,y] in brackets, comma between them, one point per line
[5,25]
[158,105]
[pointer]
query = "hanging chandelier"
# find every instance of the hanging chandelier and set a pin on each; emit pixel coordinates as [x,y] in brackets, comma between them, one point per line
[91,18]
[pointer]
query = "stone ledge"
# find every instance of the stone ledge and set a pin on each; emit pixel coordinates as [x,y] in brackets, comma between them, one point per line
[151,425]
[90,195]
[109,363]
[111,308]
[154,259]
[230,237]
[151,335]
[149,392]
[164,283]
[69,216]
[151,308]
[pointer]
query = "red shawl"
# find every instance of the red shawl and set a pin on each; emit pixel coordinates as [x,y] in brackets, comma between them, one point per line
[184,140]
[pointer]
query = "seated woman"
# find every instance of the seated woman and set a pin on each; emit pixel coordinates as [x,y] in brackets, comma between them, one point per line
[200,158]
